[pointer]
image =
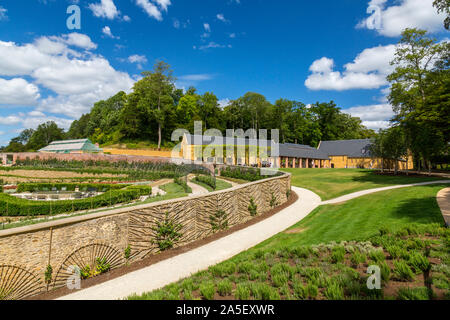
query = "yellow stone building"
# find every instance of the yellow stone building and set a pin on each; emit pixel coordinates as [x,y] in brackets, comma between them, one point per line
[356,154]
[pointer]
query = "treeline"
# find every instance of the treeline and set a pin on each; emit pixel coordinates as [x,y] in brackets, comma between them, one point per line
[155,108]
[420,96]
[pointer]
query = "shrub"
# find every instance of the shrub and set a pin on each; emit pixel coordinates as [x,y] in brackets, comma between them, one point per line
[127,252]
[402,271]
[357,258]
[247,174]
[279,280]
[208,290]
[182,182]
[312,290]
[48,274]
[12,206]
[208,180]
[420,293]
[223,269]
[394,251]
[219,220]
[301,252]
[224,287]
[102,266]
[385,271]
[334,292]
[377,255]
[262,291]
[242,292]
[167,233]
[252,208]
[338,254]
[300,290]
[419,262]
[273,200]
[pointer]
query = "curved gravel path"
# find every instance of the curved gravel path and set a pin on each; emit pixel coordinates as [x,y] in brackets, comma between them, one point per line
[443,199]
[173,269]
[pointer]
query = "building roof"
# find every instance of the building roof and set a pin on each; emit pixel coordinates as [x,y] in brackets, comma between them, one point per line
[301,151]
[217,140]
[359,148]
[65,146]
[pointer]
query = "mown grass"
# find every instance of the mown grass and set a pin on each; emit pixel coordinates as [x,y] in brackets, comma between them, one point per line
[332,183]
[362,217]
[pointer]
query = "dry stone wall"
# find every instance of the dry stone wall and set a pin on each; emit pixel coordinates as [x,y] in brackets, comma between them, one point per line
[81,240]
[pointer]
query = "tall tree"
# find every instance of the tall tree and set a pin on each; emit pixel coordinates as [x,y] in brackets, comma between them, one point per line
[45,134]
[443,6]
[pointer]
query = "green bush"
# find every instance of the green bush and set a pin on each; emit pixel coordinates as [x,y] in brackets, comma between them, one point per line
[208,180]
[208,290]
[338,254]
[419,262]
[224,287]
[312,290]
[262,291]
[248,174]
[334,292]
[402,271]
[252,208]
[219,220]
[421,293]
[12,206]
[182,182]
[242,292]
[98,187]
[357,258]
[300,290]
[377,255]
[167,233]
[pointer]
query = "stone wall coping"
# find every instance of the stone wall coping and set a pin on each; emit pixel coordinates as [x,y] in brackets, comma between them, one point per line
[87,217]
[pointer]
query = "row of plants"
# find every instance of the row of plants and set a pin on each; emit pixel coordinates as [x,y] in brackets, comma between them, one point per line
[208,180]
[12,206]
[97,187]
[248,174]
[134,169]
[413,264]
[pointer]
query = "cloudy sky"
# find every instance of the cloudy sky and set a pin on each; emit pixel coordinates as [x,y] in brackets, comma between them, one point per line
[304,50]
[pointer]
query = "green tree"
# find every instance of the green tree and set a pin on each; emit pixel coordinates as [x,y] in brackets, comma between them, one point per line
[443,6]
[45,134]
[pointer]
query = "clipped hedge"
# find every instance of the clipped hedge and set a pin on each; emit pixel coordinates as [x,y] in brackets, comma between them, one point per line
[12,206]
[208,180]
[33,187]
[248,174]
[182,182]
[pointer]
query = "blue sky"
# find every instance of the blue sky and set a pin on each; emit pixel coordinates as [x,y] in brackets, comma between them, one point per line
[304,50]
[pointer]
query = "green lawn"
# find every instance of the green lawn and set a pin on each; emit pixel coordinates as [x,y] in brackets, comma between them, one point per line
[332,183]
[361,218]
[220,185]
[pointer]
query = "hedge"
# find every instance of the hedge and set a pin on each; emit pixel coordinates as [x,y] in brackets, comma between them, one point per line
[247,174]
[33,187]
[12,206]
[208,180]
[182,182]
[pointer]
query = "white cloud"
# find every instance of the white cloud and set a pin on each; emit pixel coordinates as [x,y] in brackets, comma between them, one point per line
[196,77]
[105,9]
[79,40]
[367,71]
[18,91]
[139,60]
[405,14]
[373,116]
[107,31]
[76,79]
[224,102]
[212,45]
[154,11]
[126,18]
[207,27]
[3,16]
[232,35]
[221,17]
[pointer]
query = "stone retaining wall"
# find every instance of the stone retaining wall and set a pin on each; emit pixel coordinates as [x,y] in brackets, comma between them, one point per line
[26,252]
